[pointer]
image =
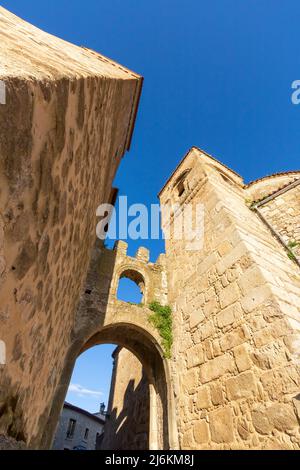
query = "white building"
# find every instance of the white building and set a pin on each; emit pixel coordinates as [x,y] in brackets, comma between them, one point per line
[78,429]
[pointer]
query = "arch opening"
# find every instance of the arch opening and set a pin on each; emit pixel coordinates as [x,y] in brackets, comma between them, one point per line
[139,388]
[181,183]
[131,287]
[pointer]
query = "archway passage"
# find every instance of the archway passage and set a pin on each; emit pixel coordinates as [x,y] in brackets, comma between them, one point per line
[107,406]
[148,384]
[143,390]
[127,425]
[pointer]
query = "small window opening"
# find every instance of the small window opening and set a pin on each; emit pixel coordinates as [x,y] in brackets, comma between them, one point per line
[71,428]
[180,188]
[180,183]
[131,287]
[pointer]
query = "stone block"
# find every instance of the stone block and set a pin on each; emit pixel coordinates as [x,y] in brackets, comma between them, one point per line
[281,381]
[190,381]
[195,356]
[229,315]
[224,248]
[210,307]
[242,386]
[221,425]
[282,417]
[207,330]
[255,297]
[196,317]
[261,422]
[242,358]
[234,338]
[243,429]
[143,254]
[187,439]
[231,258]
[203,398]
[250,279]
[201,432]
[216,368]
[229,295]
[216,394]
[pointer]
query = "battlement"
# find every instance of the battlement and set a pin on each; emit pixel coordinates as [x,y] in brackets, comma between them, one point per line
[150,277]
[142,254]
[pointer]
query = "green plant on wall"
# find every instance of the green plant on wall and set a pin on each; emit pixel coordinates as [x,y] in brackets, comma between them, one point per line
[291,245]
[292,256]
[161,319]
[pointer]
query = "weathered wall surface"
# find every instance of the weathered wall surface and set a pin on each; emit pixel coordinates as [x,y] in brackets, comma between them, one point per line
[236,315]
[127,426]
[102,318]
[282,209]
[66,123]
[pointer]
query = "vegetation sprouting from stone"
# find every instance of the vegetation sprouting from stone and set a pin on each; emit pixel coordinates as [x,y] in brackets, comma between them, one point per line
[292,244]
[292,256]
[161,319]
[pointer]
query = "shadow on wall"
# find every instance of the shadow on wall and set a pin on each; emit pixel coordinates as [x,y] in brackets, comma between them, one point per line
[127,427]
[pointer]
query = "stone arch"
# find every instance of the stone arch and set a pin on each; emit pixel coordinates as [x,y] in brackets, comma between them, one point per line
[147,349]
[162,425]
[135,274]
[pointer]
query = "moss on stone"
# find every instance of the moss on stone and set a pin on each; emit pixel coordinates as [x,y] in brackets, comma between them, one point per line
[162,320]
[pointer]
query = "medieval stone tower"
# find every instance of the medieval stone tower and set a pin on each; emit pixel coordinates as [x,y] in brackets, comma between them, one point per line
[231,377]
[234,370]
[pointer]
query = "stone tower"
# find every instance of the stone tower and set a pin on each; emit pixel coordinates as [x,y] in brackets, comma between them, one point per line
[236,304]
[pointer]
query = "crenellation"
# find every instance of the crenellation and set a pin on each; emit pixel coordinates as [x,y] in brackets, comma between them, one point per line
[143,254]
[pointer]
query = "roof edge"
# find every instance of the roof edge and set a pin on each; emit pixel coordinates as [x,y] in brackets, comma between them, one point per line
[273,175]
[85,412]
[104,58]
[134,111]
[194,147]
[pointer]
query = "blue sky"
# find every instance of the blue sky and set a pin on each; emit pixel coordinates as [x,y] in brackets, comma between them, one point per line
[217,74]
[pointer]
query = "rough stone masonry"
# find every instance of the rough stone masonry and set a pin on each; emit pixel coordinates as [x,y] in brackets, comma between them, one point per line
[67,120]
[232,381]
[236,304]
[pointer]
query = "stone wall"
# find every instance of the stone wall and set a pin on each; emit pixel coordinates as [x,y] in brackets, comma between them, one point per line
[102,318]
[282,209]
[66,124]
[236,319]
[235,302]
[233,379]
[127,425]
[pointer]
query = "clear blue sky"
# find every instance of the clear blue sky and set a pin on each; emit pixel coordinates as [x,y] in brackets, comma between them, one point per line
[217,75]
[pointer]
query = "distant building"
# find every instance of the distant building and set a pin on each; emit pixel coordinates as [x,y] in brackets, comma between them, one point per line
[78,429]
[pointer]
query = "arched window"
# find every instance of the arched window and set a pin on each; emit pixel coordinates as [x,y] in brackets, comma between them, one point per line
[131,287]
[180,183]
